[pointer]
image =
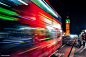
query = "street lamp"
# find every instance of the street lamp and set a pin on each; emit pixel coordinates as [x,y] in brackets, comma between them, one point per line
[85,30]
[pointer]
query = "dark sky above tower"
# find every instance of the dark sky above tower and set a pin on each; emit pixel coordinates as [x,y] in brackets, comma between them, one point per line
[76,12]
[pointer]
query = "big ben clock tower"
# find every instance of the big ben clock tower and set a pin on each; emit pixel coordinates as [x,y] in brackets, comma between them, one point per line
[67,25]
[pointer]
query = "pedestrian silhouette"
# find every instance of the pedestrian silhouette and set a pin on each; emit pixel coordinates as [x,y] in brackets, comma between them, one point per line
[83,38]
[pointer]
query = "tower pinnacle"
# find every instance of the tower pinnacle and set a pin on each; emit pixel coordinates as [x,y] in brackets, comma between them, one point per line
[67,12]
[67,16]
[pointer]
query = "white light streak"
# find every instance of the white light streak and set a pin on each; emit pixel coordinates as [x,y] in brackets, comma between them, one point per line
[53,42]
[57,26]
[4,4]
[23,2]
[48,21]
[48,8]
[49,27]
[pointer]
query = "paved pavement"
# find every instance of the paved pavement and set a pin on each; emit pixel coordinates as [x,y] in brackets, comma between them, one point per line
[78,52]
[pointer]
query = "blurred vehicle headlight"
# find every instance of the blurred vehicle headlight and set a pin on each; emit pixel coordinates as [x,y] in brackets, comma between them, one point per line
[71,36]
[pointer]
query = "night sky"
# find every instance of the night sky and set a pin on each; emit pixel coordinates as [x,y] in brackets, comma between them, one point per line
[76,12]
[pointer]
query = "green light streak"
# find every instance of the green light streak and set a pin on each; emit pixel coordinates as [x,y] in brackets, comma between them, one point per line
[47,38]
[67,19]
[44,39]
[8,18]
[2,10]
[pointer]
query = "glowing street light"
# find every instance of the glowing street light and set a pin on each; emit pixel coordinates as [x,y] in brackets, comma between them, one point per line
[85,30]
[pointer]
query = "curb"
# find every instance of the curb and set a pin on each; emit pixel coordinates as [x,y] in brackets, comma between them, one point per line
[71,49]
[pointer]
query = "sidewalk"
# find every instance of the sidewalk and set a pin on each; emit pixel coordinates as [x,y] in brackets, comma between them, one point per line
[78,52]
[81,52]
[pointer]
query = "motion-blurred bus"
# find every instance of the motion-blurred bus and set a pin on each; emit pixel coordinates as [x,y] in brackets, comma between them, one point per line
[29,28]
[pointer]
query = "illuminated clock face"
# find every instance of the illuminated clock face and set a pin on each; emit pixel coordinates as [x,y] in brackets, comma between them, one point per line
[67,21]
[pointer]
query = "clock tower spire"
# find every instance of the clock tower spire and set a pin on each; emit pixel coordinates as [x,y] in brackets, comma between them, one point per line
[67,25]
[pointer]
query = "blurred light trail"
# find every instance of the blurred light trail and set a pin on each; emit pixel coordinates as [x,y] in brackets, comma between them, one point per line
[8,18]
[48,8]
[6,11]
[23,2]
[4,4]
